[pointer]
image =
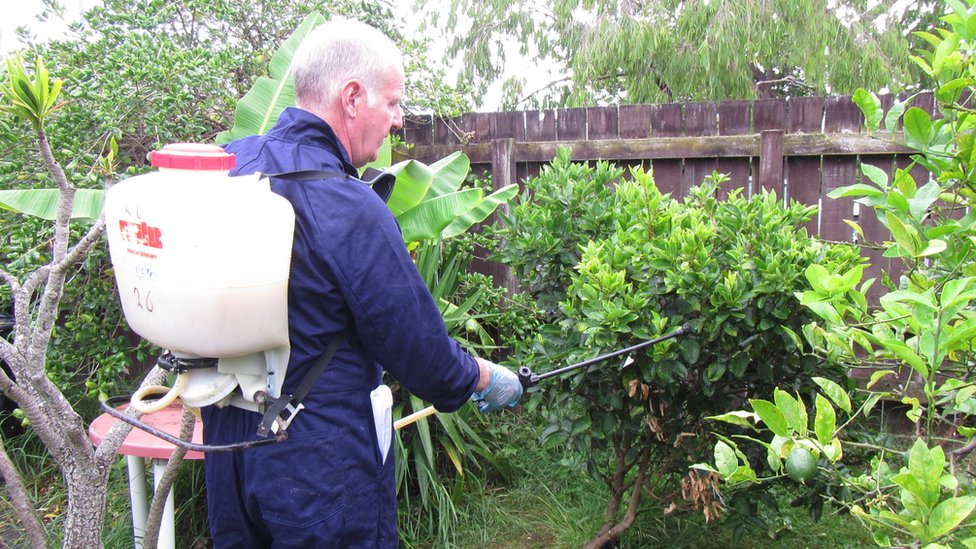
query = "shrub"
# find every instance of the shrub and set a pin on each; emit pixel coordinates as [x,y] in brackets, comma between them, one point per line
[616,262]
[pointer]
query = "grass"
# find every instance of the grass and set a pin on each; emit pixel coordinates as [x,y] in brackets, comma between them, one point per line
[532,501]
[530,497]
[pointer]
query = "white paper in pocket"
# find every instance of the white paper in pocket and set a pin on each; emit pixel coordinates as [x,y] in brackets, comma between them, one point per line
[381,399]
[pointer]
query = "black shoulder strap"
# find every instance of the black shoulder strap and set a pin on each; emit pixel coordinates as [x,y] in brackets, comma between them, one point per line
[380,181]
[291,404]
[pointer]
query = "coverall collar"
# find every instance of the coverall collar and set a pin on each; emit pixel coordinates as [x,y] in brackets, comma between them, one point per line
[300,126]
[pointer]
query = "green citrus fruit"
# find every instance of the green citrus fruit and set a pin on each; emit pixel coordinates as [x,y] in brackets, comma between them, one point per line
[801,464]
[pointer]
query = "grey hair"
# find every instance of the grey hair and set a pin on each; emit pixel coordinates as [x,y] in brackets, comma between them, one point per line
[336,52]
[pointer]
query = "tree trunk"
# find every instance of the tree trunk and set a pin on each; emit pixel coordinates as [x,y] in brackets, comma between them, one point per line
[85,513]
[612,530]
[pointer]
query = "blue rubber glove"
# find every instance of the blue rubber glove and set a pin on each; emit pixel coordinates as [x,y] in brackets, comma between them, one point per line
[503,389]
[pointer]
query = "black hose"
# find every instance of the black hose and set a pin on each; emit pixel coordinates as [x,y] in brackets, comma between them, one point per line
[109,406]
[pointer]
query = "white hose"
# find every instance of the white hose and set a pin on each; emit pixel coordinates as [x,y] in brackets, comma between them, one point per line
[171,394]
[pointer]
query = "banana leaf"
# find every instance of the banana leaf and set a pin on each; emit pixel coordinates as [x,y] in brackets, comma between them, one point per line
[427,220]
[412,184]
[43,203]
[259,109]
[449,174]
[480,212]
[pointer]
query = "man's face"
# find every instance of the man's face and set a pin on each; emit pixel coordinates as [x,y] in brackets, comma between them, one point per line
[381,115]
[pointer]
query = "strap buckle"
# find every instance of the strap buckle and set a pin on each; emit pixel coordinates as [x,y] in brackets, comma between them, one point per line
[279,416]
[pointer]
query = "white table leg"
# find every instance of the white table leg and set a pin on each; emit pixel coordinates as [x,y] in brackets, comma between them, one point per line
[137,495]
[167,527]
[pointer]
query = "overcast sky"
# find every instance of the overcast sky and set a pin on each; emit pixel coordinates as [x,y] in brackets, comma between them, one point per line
[24,12]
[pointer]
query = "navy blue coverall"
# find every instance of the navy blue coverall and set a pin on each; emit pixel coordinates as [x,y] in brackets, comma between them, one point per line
[326,486]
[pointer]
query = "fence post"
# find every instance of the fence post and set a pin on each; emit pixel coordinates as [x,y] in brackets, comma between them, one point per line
[771,161]
[502,174]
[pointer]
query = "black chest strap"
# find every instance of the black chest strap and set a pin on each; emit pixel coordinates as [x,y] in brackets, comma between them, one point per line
[378,180]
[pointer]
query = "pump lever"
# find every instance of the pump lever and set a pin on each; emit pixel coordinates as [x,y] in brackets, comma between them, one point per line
[529,379]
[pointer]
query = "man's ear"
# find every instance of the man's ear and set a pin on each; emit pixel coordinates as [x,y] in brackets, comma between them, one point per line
[353,97]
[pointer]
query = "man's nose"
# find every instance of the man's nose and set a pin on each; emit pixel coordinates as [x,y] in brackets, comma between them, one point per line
[397,119]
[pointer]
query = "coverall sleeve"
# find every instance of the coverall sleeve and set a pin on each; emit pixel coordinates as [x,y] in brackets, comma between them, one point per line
[394,313]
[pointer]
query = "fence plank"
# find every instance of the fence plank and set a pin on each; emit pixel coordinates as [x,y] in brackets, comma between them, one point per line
[771,161]
[666,121]
[734,118]
[768,114]
[700,119]
[803,186]
[446,131]
[805,115]
[540,125]
[418,130]
[508,125]
[601,123]
[634,121]
[570,124]
[841,115]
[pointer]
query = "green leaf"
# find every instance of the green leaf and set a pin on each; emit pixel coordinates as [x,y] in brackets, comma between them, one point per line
[859,189]
[918,129]
[43,203]
[902,351]
[793,410]
[833,451]
[878,376]
[449,174]
[926,466]
[725,459]
[870,106]
[431,217]
[903,235]
[895,112]
[935,246]
[741,418]
[825,421]
[949,514]
[836,393]
[480,212]
[259,109]
[413,181]
[923,199]
[771,416]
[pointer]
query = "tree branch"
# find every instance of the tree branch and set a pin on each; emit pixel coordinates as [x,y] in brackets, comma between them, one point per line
[166,482]
[21,501]
[76,253]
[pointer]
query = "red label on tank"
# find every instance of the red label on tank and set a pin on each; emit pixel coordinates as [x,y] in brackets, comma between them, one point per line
[141,233]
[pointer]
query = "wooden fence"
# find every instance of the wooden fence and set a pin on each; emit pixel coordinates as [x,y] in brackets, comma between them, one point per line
[802,148]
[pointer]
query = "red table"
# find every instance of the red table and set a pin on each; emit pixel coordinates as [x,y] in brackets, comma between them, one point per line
[139,446]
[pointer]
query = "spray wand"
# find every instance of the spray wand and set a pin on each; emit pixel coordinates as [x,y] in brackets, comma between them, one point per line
[529,379]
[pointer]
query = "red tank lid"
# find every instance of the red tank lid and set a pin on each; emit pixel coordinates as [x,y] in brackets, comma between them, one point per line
[192,156]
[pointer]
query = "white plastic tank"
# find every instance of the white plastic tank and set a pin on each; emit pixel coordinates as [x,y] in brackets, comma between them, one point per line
[201,258]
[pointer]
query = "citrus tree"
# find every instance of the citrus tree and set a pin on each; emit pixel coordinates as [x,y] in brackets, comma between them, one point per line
[614,262]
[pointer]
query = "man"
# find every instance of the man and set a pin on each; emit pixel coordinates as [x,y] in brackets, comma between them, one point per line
[328,485]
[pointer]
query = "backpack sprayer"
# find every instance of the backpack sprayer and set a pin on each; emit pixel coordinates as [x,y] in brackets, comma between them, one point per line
[529,379]
[202,260]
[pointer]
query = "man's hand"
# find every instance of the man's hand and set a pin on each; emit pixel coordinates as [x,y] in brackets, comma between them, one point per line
[502,388]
